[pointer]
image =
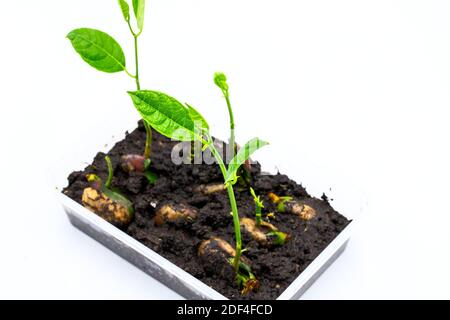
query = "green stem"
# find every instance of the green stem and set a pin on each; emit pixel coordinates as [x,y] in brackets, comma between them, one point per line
[258,215]
[230,112]
[148,140]
[148,129]
[110,172]
[234,209]
[136,58]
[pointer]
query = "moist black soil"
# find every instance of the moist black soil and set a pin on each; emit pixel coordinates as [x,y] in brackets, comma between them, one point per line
[274,267]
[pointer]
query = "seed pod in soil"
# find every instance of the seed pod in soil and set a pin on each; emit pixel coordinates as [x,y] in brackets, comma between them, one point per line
[174,213]
[207,189]
[217,257]
[133,162]
[266,234]
[108,205]
[289,205]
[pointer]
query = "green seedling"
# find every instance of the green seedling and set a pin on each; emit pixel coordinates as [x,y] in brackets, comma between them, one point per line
[106,201]
[104,53]
[184,123]
[220,79]
[266,234]
[290,205]
[258,206]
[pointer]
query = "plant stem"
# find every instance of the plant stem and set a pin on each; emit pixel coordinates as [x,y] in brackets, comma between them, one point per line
[230,112]
[148,129]
[234,209]
[148,140]
[258,215]
[136,58]
[110,172]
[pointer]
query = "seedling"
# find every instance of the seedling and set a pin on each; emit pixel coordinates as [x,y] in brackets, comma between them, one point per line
[104,53]
[258,206]
[220,79]
[218,257]
[184,123]
[289,205]
[266,234]
[107,202]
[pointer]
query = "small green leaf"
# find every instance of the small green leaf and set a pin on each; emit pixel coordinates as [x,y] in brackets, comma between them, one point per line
[151,176]
[197,118]
[220,79]
[243,154]
[164,114]
[98,49]
[125,9]
[139,8]
[116,196]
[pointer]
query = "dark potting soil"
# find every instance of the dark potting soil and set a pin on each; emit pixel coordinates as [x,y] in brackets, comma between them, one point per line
[274,267]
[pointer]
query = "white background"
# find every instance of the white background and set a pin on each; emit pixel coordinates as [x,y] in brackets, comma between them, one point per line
[352,95]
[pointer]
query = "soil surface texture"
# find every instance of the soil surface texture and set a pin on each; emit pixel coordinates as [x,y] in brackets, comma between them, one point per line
[274,266]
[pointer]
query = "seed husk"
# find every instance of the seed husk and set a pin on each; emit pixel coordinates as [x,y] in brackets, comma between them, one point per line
[266,234]
[133,162]
[101,204]
[174,213]
[217,257]
[289,205]
[210,188]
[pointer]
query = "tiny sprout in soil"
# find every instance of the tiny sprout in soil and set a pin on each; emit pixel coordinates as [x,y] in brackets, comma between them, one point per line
[107,202]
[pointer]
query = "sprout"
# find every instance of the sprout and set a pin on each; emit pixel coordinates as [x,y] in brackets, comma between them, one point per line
[289,205]
[107,203]
[265,234]
[174,213]
[218,257]
[258,206]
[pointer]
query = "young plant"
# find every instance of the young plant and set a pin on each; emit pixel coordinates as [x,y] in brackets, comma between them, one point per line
[258,206]
[290,205]
[107,202]
[220,79]
[266,234]
[104,53]
[182,122]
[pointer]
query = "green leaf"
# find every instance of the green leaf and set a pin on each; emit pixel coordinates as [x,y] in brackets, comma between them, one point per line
[98,49]
[125,9]
[243,154]
[151,176]
[118,197]
[164,114]
[139,8]
[197,118]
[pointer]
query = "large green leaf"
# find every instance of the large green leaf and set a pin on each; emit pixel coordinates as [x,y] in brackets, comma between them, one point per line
[165,114]
[243,155]
[139,8]
[98,49]
[125,9]
[198,119]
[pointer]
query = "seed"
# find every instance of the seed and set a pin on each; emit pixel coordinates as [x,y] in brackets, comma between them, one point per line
[174,213]
[103,206]
[210,189]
